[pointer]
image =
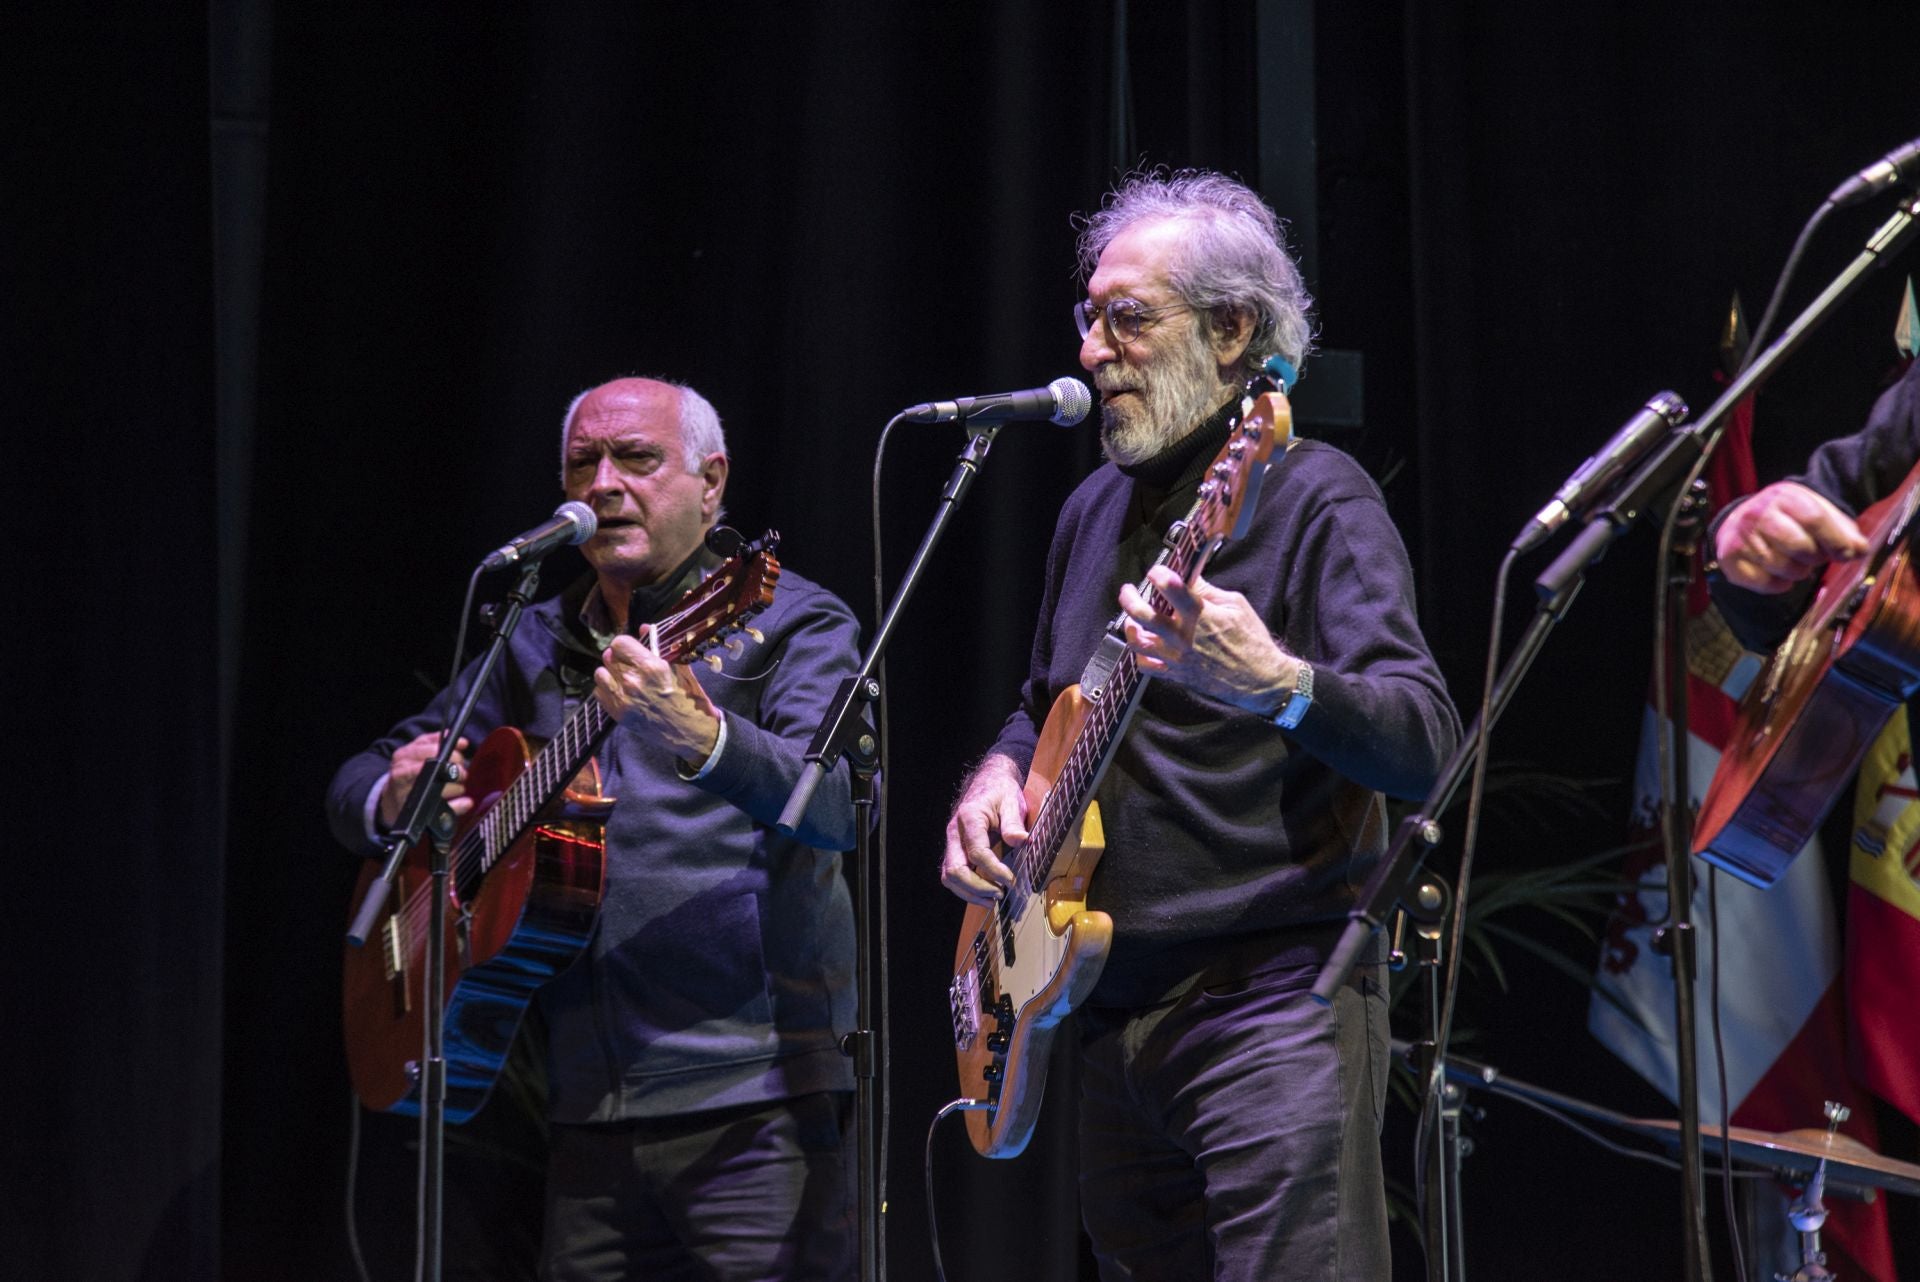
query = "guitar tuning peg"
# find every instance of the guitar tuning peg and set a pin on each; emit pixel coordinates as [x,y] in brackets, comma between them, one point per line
[712,661]
[758,636]
[735,647]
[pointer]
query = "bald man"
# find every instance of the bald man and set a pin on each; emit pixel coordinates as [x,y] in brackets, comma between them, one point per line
[700,1104]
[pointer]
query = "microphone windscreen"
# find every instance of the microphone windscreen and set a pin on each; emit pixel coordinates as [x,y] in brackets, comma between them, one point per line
[1071,400]
[585,523]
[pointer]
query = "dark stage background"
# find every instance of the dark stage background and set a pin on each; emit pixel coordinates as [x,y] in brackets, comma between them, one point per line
[295,294]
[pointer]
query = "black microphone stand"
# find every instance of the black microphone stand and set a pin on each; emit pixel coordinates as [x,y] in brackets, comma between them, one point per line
[424,814]
[1682,455]
[1677,938]
[847,731]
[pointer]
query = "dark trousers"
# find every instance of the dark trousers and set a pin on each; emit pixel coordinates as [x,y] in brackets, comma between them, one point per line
[1235,1133]
[733,1195]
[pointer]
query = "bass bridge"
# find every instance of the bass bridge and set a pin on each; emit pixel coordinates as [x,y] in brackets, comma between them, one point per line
[963,995]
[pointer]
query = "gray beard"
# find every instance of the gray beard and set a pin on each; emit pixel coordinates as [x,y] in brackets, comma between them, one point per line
[1174,399]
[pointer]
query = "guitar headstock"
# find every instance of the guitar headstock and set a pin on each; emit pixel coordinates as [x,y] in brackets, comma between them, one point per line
[1233,482]
[719,608]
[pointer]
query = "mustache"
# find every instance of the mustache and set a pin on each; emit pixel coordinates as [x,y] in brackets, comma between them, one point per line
[1109,380]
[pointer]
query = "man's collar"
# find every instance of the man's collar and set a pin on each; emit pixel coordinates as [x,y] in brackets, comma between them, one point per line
[646,603]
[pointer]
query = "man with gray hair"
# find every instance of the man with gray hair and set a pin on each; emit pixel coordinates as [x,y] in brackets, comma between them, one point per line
[699,1101]
[1229,1126]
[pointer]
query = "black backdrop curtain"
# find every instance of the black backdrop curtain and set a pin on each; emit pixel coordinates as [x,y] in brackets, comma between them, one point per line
[113,498]
[1528,221]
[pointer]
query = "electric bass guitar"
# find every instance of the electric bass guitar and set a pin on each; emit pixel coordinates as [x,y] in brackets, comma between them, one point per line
[525,878]
[1027,960]
[1808,719]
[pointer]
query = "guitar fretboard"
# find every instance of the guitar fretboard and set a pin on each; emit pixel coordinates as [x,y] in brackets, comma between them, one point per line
[550,771]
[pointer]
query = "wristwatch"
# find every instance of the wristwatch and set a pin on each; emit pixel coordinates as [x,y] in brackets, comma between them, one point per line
[1299,701]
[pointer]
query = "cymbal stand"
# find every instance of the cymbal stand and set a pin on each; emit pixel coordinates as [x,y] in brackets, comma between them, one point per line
[1808,1214]
[1427,909]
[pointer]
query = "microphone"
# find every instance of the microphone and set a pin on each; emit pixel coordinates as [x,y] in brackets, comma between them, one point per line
[1880,175]
[1591,481]
[1064,401]
[571,522]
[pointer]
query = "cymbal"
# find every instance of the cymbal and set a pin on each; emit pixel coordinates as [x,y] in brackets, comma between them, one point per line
[1848,1160]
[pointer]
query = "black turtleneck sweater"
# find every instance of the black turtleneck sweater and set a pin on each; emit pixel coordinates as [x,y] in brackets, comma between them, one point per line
[1227,837]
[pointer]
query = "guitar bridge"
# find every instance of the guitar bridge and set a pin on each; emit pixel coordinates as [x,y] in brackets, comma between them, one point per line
[393,947]
[964,996]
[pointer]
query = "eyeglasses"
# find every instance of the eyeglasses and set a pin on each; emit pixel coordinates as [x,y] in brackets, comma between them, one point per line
[1126,318]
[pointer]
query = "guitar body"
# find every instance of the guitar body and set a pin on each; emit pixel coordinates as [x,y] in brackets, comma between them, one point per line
[1811,716]
[509,929]
[1030,967]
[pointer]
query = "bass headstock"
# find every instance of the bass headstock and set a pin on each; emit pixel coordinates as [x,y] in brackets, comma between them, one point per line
[1233,482]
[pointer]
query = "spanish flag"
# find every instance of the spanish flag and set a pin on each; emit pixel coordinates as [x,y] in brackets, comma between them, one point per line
[1883,923]
[1883,900]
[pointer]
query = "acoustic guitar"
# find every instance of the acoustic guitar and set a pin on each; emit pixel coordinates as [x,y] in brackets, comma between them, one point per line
[525,874]
[1026,961]
[1808,719]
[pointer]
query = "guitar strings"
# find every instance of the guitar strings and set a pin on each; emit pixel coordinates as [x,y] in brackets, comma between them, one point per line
[480,845]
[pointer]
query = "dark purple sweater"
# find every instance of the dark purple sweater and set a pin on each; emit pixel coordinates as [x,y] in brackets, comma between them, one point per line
[1225,835]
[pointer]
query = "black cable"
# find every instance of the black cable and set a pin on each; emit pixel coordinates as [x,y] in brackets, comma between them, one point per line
[884,1041]
[1662,710]
[353,1170]
[933,1218]
[1476,793]
[1720,1068]
[1757,342]
[460,637]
